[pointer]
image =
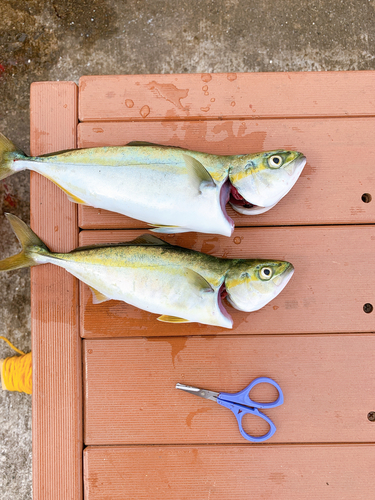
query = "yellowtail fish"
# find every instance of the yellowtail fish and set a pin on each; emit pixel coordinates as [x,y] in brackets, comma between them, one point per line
[181,285]
[175,190]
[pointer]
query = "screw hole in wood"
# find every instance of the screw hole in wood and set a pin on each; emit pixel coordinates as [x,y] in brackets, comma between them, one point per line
[371,416]
[368,308]
[366,197]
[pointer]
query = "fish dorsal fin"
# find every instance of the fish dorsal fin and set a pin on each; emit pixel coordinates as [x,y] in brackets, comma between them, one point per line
[197,280]
[147,239]
[98,297]
[144,143]
[143,240]
[199,175]
[172,319]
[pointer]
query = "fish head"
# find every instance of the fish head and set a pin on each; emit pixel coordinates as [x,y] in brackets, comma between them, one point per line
[259,181]
[251,284]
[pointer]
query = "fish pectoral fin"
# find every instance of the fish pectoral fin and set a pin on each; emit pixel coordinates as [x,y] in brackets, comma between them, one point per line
[197,280]
[168,229]
[172,319]
[98,297]
[199,175]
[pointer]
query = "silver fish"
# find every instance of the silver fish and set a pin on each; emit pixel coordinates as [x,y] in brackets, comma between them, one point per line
[175,190]
[181,285]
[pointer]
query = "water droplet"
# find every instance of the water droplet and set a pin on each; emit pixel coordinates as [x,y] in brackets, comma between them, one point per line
[205,88]
[231,77]
[206,93]
[232,103]
[237,240]
[145,111]
[207,108]
[129,103]
[206,77]
[212,99]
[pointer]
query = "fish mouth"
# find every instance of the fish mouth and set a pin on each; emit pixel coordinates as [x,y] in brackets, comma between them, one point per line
[238,202]
[282,280]
[296,166]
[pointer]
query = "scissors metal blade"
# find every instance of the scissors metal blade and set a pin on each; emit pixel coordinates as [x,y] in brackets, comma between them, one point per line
[203,393]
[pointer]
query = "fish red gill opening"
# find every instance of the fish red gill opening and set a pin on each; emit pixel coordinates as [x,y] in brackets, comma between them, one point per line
[237,199]
[225,195]
[220,297]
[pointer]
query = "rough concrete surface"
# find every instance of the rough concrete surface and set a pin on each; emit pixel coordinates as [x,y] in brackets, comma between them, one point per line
[65,39]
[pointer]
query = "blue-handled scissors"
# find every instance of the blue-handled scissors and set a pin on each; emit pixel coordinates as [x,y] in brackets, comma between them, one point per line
[241,404]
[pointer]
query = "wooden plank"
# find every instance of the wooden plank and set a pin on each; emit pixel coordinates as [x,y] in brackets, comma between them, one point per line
[328,383]
[57,382]
[233,95]
[331,283]
[338,173]
[229,472]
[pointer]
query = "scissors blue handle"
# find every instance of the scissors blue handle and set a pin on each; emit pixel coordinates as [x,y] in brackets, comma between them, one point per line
[241,404]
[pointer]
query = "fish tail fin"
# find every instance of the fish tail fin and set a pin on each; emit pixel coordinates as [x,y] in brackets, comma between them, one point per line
[8,153]
[31,246]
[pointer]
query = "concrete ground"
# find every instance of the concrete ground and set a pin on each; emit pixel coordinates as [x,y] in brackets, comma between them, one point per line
[64,39]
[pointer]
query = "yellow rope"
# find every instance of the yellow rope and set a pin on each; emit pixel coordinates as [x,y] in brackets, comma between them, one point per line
[16,373]
[11,345]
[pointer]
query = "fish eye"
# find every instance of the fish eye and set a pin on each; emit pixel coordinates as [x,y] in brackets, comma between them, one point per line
[266,273]
[275,161]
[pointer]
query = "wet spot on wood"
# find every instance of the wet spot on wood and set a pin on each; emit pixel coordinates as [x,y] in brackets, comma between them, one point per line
[257,139]
[291,304]
[177,345]
[307,170]
[209,244]
[169,92]
[193,414]
[277,477]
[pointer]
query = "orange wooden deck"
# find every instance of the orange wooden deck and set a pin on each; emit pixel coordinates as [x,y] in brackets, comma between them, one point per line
[107,421]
